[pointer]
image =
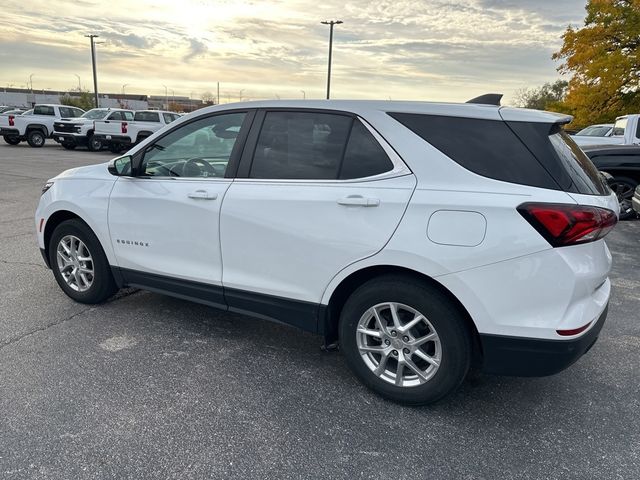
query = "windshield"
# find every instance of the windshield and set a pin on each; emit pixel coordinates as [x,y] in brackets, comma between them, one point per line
[620,125]
[95,114]
[595,131]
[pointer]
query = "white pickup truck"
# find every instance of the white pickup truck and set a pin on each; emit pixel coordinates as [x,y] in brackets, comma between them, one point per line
[123,134]
[35,128]
[71,133]
[625,132]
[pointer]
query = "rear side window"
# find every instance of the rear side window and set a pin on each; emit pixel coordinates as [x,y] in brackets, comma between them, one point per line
[43,110]
[128,116]
[147,117]
[364,156]
[300,145]
[486,147]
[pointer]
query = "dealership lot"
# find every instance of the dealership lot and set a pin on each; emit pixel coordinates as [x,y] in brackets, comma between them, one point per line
[147,386]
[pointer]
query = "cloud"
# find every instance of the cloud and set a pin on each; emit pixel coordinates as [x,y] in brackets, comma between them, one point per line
[196,49]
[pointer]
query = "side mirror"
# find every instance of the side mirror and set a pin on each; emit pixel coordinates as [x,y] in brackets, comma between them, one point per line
[121,166]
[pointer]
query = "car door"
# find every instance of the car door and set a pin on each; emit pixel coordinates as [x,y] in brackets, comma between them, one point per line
[315,192]
[164,223]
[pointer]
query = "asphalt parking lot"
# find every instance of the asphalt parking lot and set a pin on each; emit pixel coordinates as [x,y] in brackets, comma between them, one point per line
[148,386]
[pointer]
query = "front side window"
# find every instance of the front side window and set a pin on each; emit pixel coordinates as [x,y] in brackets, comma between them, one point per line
[168,117]
[198,149]
[115,116]
[128,116]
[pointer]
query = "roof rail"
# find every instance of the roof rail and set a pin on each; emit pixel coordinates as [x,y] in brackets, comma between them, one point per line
[487,99]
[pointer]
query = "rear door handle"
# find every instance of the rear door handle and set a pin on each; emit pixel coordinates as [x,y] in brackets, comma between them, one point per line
[359,200]
[202,195]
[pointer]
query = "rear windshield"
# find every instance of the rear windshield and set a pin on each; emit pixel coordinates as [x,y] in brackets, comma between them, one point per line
[535,154]
[147,117]
[95,114]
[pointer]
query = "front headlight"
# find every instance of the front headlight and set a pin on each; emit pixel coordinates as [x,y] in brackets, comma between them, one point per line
[46,187]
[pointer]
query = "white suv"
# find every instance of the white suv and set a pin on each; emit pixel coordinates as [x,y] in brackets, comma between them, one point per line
[422,238]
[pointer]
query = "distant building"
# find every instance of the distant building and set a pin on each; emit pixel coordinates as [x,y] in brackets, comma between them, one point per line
[26,98]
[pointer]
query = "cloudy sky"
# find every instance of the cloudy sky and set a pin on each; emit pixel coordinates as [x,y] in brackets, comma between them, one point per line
[425,50]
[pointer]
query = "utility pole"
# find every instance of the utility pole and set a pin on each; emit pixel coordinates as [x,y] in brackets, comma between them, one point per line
[331,23]
[31,81]
[218,93]
[79,86]
[93,63]
[123,87]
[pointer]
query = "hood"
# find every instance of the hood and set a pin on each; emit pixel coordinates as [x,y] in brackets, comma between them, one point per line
[95,172]
[75,120]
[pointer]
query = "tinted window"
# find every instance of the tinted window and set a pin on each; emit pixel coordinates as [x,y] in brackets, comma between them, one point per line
[198,149]
[486,147]
[147,117]
[115,116]
[300,145]
[364,156]
[43,110]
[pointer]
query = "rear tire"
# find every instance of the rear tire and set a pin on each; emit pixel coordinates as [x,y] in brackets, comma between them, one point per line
[79,264]
[36,138]
[389,364]
[11,140]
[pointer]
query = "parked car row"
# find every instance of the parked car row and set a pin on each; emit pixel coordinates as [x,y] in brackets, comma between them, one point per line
[625,131]
[113,128]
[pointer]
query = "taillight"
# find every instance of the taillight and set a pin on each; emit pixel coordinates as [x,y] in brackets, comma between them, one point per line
[563,225]
[124,127]
[11,120]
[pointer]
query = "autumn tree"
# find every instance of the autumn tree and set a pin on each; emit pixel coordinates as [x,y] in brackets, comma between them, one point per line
[549,96]
[603,60]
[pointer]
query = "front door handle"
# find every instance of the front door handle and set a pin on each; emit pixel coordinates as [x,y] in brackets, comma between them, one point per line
[359,200]
[202,195]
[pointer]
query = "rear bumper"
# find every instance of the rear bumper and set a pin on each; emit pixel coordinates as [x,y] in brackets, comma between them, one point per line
[9,132]
[530,357]
[120,139]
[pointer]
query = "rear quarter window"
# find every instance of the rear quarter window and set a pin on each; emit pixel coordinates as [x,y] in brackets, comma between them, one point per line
[486,147]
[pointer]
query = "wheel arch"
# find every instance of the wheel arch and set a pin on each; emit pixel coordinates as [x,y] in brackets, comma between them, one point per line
[330,313]
[53,221]
[37,126]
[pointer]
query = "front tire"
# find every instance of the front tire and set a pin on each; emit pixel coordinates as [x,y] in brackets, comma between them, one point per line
[11,140]
[79,264]
[405,340]
[93,144]
[36,138]
[624,188]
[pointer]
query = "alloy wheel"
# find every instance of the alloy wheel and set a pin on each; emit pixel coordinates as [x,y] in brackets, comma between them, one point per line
[399,344]
[75,263]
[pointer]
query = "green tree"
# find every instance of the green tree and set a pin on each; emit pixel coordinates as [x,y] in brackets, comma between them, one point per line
[603,60]
[549,96]
[83,100]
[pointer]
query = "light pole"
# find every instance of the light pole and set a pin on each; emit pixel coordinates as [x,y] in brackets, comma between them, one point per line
[166,97]
[93,63]
[31,81]
[124,86]
[331,23]
[304,94]
[240,97]
[79,86]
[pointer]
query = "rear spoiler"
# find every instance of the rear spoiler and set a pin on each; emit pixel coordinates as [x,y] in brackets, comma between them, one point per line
[487,99]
